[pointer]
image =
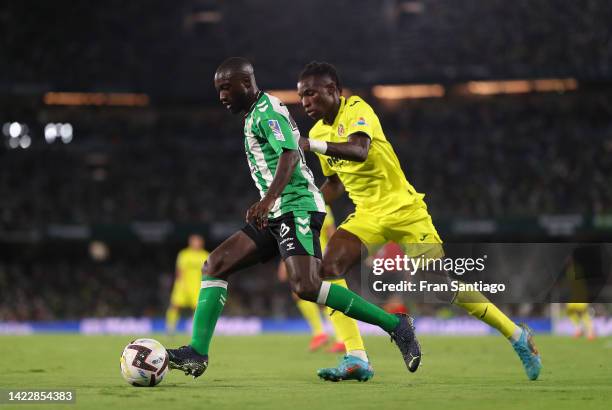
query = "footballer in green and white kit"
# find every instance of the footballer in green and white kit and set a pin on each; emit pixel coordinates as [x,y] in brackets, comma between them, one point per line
[286,221]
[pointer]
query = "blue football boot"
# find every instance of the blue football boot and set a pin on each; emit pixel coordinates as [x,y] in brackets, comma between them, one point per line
[350,368]
[526,350]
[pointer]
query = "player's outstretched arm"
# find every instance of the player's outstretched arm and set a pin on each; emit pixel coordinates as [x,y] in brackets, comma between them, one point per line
[332,189]
[258,212]
[355,149]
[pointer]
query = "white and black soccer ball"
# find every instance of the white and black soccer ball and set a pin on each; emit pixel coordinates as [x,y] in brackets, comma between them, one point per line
[144,362]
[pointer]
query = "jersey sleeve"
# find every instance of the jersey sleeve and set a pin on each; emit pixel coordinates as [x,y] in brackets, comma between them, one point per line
[360,118]
[278,130]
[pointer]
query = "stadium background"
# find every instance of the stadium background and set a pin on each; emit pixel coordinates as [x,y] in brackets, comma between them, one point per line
[114,147]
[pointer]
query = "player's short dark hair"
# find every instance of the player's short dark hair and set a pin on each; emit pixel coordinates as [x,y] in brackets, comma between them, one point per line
[318,68]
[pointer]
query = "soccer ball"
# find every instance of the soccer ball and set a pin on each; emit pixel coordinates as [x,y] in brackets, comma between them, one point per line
[144,362]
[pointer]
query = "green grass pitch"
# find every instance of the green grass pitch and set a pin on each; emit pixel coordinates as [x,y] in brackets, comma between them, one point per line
[276,372]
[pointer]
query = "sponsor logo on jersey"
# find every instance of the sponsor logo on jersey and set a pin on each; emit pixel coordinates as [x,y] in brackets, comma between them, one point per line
[335,162]
[340,130]
[361,121]
[290,246]
[276,130]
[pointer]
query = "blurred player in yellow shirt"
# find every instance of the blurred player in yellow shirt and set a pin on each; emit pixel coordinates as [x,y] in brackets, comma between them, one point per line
[345,328]
[356,157]
[581,318]
[578,313]
[187,282]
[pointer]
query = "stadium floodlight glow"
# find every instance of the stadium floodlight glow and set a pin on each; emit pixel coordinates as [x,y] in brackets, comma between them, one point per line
[521,86]
[408,91]
[499,87]
[15,130]
[65,131]
[207,17]
[116,99]
[50,133]
[411,7]
[66,138]
[555,84]
[286,96]
[13,143]
[5,128]
[25,141]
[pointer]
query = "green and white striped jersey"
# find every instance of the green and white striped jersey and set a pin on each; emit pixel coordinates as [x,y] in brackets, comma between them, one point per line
[268,130]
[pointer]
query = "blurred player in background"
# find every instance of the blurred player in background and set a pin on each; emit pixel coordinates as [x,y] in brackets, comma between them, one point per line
[286,221]
[581,318]
[312,312]
[355,155]
[576,274]
[187,280]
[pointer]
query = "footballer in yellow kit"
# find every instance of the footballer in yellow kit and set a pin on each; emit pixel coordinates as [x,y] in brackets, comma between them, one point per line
[186,286]
[356,157]
[387,207]
[581,318]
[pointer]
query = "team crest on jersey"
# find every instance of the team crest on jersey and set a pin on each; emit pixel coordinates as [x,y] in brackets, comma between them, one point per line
[361,121]
[340,130]
[276,130]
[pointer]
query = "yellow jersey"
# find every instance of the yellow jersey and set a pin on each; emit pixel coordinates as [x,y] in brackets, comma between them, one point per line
[378,184]
[189,263]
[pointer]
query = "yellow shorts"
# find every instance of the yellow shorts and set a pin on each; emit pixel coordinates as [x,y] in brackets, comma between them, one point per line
[410,227]
[185,293]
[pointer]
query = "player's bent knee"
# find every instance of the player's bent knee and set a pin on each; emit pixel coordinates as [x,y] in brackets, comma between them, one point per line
[306,289]
[309,294]
[213,268]
[330,270]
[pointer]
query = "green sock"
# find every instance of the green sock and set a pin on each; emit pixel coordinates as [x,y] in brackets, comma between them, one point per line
[353,305]
[210,304]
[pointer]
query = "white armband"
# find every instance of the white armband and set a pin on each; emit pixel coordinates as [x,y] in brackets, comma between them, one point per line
[318,146]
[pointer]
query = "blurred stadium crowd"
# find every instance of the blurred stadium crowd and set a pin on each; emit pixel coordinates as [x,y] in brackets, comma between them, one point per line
[136,45]
[182,159]
[510,156]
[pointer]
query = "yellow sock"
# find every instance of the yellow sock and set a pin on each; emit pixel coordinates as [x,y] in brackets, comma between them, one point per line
[312,314]
[345,327]
[172,316]
[477,305]
[334,323]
